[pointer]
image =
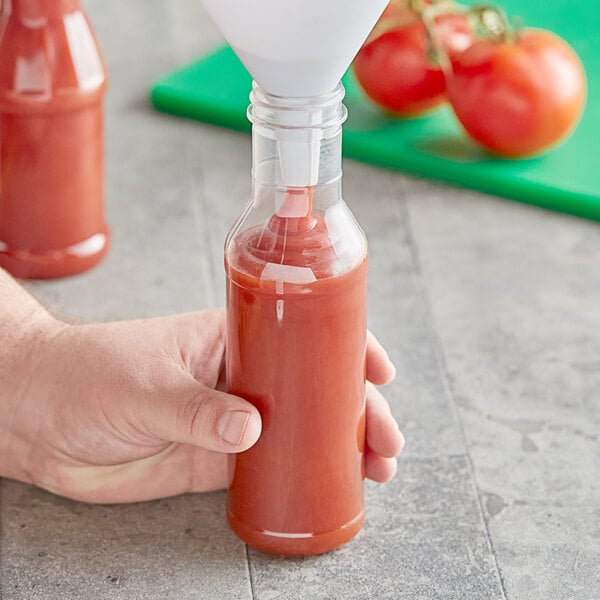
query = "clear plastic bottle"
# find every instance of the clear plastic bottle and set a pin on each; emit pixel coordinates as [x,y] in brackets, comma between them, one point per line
[52,82]
[296,263]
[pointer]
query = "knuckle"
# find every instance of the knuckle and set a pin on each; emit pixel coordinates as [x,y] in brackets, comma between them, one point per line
[195,416]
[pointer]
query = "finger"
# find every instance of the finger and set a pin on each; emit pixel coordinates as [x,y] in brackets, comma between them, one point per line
[200,343]
[380,369]
[383,435]
[203,417]
[378,468]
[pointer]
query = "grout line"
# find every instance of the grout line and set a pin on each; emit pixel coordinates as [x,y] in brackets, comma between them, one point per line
[202,230]
[450,393]
[250,578]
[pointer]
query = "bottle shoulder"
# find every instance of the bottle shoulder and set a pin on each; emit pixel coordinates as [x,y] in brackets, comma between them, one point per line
[302,252]
[53,66]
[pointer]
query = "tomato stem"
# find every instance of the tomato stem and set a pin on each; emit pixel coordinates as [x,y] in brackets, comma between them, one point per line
[436,54]
[491,22]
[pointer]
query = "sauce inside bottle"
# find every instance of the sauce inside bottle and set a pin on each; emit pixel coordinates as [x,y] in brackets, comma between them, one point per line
[296,349]
[52,82]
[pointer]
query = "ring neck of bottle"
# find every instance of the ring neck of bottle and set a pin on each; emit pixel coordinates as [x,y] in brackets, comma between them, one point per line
[322,112]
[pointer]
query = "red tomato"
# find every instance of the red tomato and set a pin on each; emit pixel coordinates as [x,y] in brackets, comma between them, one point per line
[394,68]
[394,71]
[518,98]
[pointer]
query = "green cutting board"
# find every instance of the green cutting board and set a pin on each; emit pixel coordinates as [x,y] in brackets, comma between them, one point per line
[215,89]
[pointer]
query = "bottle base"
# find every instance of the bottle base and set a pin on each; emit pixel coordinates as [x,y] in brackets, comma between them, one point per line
[53,264]
[296,544]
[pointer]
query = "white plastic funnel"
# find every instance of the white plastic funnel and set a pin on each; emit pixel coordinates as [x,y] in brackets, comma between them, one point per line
[295,47]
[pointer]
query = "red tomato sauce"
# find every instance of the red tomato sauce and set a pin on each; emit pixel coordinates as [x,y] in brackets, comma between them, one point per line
[52,80]
[296,350]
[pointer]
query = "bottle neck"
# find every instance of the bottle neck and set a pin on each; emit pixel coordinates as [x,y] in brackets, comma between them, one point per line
[297,142]
[39,10]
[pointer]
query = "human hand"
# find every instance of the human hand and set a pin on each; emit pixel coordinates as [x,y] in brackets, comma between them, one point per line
[135,410]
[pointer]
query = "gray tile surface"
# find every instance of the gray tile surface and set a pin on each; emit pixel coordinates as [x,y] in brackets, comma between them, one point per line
[176,549]
[549,552]
[488,308]
[515,293]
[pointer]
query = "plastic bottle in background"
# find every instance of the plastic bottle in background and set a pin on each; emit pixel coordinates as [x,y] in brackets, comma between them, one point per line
[296,264]
[52,83]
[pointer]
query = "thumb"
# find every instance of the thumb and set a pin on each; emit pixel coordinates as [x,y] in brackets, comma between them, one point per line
[204,417]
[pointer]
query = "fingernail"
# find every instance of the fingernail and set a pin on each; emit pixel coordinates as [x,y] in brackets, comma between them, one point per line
[392,366]
[232,426]
[401,442]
